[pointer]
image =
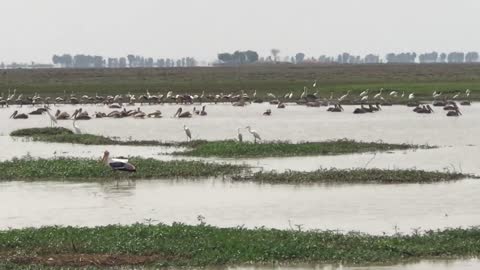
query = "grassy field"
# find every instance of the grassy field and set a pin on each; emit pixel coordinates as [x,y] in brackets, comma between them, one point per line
[354,176]
[233,149]
[278,79]
[94,170]
[203,245]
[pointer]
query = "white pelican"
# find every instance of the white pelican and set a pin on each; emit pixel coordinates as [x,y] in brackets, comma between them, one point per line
[254,133]
[117,164]
[188,133]
[240,136]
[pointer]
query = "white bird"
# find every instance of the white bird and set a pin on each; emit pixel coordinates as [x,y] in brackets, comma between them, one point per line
[394,93]
[344,96]
[364,98]
[456,95]
[187,132]
[436,94]
[315,83]
[52,118]
[467,92]
[76,129]
[271,95]
[364,93]
[304,93]
[379,94]
[240,136]
[117,164]
[403,94]
[254,133]
[411,96]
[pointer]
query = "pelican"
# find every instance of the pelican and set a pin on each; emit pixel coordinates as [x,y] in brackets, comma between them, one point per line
[117,164]
[16,115]
[61,115]
[240,136]
[254,133]
[155,114]
[179,114]
[268,112]
[203,112]
[188,133]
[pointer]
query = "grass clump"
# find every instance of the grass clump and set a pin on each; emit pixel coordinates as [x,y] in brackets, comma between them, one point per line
[354,176]
[203,245]
[87,169]
[233,149]
[63,135]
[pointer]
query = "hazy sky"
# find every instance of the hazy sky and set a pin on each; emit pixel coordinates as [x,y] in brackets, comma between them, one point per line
[37,29]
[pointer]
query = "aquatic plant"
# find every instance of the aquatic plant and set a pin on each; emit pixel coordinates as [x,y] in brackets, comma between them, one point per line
[204,245]
[233,149]
[87,169]
[354,176]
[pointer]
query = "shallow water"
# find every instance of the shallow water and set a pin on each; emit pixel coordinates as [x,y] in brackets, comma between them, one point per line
[396,124]
[367,208]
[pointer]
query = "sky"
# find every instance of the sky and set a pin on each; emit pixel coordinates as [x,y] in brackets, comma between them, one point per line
[34,30]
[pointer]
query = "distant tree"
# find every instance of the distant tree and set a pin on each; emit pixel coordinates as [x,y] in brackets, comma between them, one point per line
[292,59]
[371,59]
[428,57]
[443,57]
[471,57]
[225,57]
[179,63]
[252,56]
[161,63]
[149,62]
[275,53]
[299,57]
[456,57]
[131,60]
[122,62]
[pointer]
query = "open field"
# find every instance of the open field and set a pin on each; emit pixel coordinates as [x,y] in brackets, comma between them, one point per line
[278,79]
[203,245]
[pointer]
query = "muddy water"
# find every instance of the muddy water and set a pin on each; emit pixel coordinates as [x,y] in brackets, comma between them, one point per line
[372,209]
[295,123]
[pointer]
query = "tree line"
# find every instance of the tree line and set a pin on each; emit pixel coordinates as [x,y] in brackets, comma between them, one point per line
[242,57]
[132,61]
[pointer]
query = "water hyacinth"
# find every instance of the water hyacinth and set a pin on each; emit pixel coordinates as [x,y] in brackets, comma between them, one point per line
[204,245]
[82,169]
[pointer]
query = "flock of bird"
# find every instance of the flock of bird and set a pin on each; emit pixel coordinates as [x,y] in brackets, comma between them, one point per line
[369,101]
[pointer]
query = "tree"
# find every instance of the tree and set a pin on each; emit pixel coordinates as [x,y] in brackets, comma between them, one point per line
[122,62]
[275,53]
[456,57]
[131,60]
[299,57]
[443,57]
[471,57]
[251,56]
[225,57]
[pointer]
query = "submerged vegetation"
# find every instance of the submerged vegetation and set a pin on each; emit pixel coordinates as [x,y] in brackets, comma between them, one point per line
[64,135]
[203,245]
[85,169]
[233,149]
[354,176]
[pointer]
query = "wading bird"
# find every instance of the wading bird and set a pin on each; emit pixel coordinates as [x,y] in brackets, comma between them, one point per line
[117,164]
[188,133]
[52,118]
[240,136]
[255,134]
[76,129]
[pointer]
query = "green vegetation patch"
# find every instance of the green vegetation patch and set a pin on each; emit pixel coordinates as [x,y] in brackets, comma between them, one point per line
[63,135]
[354,176]
[203,245]
[85,169]
[233,149]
